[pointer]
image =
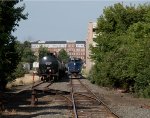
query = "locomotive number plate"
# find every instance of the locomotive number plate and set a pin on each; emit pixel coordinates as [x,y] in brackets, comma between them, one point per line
[48,63]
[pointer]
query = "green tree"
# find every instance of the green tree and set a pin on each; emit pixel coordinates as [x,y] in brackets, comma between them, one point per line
[43,51]
[122,53]
[63,56]
[28,55]
[19,71]
[9,56]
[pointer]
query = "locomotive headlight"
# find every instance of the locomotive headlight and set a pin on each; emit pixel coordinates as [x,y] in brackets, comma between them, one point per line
[44,58]
[50,70]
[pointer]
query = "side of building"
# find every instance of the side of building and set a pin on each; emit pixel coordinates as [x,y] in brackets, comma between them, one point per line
[73,48]
[91,34]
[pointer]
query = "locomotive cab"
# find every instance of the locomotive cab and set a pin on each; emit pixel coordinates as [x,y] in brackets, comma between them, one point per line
[74,68]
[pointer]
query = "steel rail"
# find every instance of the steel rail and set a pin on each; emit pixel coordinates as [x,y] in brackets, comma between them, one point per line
[66,98]
[100,101]
[88,97]
[46,88]
[73,101]
[33,86]
[34,98]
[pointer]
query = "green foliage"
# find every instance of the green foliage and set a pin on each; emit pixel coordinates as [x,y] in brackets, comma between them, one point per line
[91,75]
[43,51]
[20,71]
[28,55]
[122,55]
[9,55]
[63,56]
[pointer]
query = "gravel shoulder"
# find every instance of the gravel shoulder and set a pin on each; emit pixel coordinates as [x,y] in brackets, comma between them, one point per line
[123,104]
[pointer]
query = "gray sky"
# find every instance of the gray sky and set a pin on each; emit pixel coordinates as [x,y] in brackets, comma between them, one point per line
[51,20]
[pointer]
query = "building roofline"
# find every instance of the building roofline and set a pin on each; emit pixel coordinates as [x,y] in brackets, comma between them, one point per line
[57,42]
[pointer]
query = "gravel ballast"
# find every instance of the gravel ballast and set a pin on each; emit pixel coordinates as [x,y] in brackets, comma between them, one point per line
[123,104]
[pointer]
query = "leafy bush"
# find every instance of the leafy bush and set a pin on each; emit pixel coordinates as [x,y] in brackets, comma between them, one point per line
[20,71]
[91,75]
[122,53]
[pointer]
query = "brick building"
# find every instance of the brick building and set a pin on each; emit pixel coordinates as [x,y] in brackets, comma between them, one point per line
[91,34]
[73,48]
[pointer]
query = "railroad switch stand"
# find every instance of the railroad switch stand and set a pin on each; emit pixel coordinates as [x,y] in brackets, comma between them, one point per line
[33,97]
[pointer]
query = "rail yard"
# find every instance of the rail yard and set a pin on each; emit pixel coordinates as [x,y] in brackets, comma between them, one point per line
[71,98]
[53,68]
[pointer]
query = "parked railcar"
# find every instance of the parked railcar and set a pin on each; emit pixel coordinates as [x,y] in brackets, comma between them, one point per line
[50,68]
[74,67]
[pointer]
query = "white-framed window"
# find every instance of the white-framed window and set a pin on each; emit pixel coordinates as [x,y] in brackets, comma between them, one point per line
[80,45]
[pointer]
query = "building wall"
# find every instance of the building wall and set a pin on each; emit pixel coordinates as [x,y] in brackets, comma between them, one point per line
[89,41]
[73,48]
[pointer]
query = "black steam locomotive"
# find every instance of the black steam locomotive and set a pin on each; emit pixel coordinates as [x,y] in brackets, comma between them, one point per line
[50,68]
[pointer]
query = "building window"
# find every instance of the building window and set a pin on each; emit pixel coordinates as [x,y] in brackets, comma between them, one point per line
[77,49]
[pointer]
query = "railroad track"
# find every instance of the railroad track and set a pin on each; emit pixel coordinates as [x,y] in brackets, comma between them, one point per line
[7,97]
[86,104]
[41,86]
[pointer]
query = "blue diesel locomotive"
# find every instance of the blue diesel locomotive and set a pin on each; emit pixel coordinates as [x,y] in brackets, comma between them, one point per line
[74,67]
